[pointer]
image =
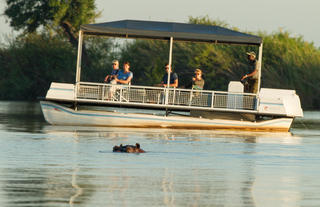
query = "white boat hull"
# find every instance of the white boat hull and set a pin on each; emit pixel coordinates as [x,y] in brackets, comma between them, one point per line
[56,114]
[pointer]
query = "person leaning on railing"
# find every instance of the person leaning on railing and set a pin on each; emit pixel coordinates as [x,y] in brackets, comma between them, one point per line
[173,78]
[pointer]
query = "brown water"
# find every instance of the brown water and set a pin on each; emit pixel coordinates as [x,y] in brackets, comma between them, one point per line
[43,165]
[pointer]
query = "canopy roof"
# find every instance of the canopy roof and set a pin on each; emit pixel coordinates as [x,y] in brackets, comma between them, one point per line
[165,30]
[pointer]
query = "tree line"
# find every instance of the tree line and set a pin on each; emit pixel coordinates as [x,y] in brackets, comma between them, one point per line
[47,47]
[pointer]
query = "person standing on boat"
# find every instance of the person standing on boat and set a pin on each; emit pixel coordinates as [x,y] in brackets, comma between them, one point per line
[253,75]
[173,78]
[124,76]
[114,73]
[197,80]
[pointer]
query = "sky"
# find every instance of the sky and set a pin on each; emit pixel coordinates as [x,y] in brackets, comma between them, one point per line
[299,17]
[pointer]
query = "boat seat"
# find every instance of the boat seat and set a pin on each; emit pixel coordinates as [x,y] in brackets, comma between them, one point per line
[235,86]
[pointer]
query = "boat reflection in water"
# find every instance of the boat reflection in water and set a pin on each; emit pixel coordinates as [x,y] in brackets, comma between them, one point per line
[185,167]
[76,187]
[76,166]
[47,165]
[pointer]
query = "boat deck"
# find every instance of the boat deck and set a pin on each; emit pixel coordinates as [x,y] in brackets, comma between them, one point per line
[170,98]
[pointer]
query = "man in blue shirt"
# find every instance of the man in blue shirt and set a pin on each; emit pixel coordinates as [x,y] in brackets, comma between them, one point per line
[123,77]
[173,78]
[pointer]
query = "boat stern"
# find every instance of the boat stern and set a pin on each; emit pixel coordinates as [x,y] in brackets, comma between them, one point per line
[279,102]
[61,91]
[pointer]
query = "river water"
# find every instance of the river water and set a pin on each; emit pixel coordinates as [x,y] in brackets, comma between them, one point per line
[44,165]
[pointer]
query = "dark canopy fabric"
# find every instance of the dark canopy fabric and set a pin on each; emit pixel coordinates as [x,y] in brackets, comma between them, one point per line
[165,30]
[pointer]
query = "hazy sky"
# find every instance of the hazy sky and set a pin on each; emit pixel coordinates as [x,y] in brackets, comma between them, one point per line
[299,17]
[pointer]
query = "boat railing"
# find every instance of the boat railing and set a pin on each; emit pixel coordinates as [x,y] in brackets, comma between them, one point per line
[165,97]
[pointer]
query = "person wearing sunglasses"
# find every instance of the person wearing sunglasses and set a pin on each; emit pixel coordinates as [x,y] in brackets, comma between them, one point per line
[197,80]
[173,78]
[115,70]
[123,77]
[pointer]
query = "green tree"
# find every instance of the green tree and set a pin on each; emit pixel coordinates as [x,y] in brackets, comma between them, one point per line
[31,63]
[290,62]
[147,60]
[101,51]
[60,16]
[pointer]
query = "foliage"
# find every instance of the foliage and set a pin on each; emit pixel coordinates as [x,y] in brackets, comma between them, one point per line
[147,60]
[30,64]
[290,62]
[101,53]
[59,16]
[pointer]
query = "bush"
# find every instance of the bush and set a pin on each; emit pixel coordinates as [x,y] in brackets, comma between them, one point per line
[31,63]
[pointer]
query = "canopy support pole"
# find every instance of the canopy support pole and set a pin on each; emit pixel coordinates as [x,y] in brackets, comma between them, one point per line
[169,71]
[78,71]
[79,57]
[259,66]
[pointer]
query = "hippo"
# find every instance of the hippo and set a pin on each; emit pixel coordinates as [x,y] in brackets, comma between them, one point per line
[128,148]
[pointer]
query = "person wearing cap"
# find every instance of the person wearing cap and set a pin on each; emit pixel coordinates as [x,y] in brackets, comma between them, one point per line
[197,80]
[173,78]
[114,72]
[252,76]
[123,77]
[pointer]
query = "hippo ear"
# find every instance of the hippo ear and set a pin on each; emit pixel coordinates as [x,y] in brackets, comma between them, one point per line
[138,145]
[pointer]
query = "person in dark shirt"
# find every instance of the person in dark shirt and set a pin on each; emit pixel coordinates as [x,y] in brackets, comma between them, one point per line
[123,77]
[173,78]
[252,76]
[115,69]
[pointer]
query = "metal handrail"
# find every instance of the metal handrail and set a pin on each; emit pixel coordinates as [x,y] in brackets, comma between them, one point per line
[177,97]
